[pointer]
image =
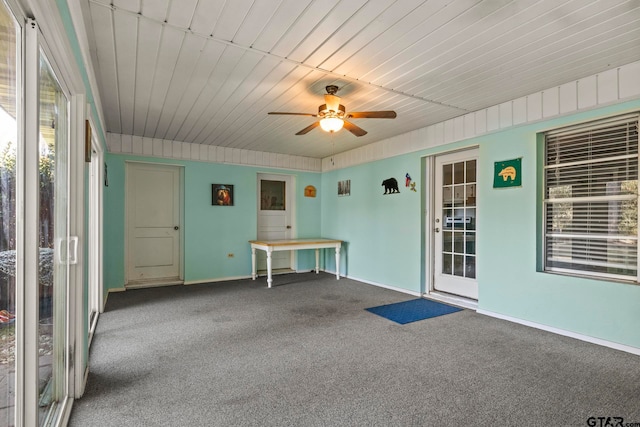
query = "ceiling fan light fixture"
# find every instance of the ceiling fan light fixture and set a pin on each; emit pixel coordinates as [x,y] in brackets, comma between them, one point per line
[331,124]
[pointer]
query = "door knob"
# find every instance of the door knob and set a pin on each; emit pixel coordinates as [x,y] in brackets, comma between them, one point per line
[288,227]
[437,230]
[176,228]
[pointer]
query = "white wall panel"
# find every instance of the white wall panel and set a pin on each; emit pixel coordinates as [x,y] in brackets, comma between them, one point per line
[519,111]
[126,143]
[136,145]
[534,107]
[587,92]
[607,86]
[469,125]
[493,118]
[167,148]
[157,147]
[194,151]
[147,147]
[449,131]
[568,97]
[506,114]
[551,102]
[204,153]
[235,156]
[481,121]
[629,81]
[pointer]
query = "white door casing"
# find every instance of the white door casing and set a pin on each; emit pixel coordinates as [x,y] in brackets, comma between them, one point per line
[454,223]
[153,223]
[275,217]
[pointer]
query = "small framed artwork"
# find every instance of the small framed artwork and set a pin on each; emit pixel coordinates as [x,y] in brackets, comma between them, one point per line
[344,187]
[222,194]
[87,141]
[309,191]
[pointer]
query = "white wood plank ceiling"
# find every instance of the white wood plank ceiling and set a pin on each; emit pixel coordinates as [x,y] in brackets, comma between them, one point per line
[209,71]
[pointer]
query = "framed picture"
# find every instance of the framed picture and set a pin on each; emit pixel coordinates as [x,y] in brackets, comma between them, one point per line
[344,187]
[87,141]
[222,194]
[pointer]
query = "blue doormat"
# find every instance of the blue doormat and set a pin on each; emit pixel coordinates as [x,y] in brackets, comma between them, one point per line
[412,310]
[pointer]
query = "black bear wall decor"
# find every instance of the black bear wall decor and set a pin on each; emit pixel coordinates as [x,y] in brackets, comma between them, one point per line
[390,186]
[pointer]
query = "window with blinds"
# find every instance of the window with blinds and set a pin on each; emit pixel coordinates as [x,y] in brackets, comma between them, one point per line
[591,199]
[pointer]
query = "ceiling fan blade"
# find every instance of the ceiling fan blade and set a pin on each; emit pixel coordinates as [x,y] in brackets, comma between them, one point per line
[294,114]
[308,128]
[372,115]
[356,130]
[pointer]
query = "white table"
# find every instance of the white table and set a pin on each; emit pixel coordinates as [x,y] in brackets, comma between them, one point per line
[269,246]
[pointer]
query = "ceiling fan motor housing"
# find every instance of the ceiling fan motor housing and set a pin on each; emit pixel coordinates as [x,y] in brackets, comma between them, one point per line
[331,107]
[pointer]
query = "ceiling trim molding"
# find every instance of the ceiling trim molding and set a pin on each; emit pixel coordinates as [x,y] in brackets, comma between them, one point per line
[178,150]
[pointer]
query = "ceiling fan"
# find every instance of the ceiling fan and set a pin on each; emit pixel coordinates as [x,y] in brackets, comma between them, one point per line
[333,115]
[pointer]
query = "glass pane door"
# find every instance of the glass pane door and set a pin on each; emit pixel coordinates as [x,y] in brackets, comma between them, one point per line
[53,234]
[8,141]
[456,216]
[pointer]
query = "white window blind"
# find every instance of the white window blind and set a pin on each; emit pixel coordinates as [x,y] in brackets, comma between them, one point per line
[591,199]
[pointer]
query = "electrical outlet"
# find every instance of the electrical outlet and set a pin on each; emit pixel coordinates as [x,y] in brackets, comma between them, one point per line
[230,255]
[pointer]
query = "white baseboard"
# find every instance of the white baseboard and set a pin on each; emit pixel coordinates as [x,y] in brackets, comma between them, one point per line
[581,337]
[380,285]
[218,279]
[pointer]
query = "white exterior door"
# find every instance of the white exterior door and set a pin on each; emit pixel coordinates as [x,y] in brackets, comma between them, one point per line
[274,218]
[455,219]
[153,223]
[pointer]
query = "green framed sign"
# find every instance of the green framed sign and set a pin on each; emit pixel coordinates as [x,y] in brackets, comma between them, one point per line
[507,173]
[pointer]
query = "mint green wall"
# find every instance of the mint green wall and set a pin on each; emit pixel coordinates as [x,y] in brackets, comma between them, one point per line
[382,233]
[509,247]
[210,232]
[385,245]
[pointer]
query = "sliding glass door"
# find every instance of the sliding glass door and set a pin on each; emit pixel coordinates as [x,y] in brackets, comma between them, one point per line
[35,248]
[9,69]
[56,249]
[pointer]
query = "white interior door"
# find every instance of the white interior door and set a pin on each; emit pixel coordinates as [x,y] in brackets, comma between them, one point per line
[455,219]
[153,223]
[274,218]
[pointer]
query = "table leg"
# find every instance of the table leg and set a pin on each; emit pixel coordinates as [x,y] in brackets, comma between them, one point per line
[253,263]
[317,260]
[269,278]
[338,262]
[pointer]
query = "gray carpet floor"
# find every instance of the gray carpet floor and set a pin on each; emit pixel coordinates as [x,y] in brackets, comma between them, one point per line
[307,353]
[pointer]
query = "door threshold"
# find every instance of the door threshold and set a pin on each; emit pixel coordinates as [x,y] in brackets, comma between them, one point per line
[463,302]
[140,284]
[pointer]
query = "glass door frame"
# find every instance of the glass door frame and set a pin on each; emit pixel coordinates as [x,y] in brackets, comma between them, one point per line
[430,235]
[27,335]
[94,287]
